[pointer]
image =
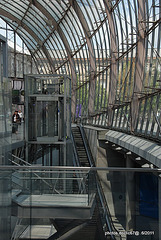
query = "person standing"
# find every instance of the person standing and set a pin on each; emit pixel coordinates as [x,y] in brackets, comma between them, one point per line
[15,120]
[21,115]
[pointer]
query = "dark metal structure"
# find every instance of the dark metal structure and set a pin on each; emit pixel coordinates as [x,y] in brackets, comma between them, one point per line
[111,50]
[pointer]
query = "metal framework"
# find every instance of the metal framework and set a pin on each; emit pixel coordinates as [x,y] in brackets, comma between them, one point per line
[111,50]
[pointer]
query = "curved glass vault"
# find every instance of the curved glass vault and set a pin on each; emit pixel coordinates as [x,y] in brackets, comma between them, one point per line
[111,50]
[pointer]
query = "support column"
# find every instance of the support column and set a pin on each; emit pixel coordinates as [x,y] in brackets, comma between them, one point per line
[130,196]
[105,176]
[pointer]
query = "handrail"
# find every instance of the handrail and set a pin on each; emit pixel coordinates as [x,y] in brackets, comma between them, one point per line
[20,159]
[54,189]
[75,149]
[85,144]
[33,172]
[99,187]
[82,183]
[85,169]
[81,188]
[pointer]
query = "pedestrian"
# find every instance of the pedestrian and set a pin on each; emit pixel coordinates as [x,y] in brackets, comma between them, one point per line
[15,121]
[21,116]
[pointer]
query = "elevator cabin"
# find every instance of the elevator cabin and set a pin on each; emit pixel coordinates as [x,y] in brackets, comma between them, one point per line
[48,117]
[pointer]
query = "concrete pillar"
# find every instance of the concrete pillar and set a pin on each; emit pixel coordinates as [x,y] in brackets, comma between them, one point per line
[105,176]
[130,196]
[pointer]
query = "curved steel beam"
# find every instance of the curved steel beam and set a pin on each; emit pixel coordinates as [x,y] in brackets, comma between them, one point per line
[113,69]
[68,50]
[140,65]
[31,32]
[86,29]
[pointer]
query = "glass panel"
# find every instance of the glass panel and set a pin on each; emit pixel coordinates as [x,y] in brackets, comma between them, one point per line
[12,11]
[133,203]
[5,148]
[127,201]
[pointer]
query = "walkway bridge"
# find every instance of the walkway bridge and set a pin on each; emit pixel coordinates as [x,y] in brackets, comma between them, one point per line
[51,196]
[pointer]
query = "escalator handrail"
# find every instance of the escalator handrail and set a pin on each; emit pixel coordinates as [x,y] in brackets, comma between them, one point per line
[85,144]
[75,149]
[82,188]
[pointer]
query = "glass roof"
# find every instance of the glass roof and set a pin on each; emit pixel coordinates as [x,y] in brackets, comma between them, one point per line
[98,42]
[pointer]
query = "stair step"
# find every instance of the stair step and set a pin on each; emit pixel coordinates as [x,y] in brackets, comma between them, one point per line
[81,151]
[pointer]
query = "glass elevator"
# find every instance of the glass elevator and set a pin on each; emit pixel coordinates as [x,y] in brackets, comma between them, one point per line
[47,119]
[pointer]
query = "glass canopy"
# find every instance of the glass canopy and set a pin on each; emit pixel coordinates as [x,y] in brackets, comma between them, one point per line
[111,50]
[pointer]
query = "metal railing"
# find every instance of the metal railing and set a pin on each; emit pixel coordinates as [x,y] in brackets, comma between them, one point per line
[28,164]
[36,169]
[34,181]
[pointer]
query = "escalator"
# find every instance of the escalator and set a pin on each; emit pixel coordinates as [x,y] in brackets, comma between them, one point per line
[80,148]
[90,229]
[84,158]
